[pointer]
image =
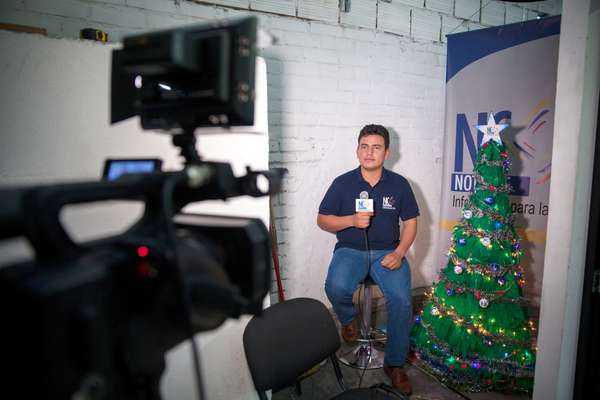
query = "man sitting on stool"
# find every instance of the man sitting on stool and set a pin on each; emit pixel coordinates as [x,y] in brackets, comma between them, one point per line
[370,243]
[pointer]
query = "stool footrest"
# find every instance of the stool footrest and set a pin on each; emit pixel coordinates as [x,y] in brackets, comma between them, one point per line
[361,356]
[372,340]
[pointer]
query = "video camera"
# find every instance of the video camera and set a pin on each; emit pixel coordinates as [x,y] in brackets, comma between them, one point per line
[93,320]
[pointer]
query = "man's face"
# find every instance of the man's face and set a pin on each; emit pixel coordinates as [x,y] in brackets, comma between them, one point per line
[371,152]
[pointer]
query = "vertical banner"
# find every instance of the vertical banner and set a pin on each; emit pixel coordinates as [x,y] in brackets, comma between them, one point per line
[509,70]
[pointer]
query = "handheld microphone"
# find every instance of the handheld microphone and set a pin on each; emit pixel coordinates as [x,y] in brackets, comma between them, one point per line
[363,203]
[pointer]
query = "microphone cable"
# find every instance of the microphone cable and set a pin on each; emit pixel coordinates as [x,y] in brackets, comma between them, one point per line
[362,319]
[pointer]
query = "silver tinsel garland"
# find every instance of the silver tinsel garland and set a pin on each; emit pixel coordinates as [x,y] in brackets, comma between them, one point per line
[504,367]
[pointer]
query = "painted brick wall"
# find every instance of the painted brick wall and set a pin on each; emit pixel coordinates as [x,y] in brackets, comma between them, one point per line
[321,92]
[411,18]
[329,73]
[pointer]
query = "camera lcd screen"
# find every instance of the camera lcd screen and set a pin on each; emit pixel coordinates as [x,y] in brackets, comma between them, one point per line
[196,76]
[113,169]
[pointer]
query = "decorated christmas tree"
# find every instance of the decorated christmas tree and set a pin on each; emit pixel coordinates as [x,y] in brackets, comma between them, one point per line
[473,330]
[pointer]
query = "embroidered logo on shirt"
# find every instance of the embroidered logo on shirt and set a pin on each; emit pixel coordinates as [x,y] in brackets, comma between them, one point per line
[389,203]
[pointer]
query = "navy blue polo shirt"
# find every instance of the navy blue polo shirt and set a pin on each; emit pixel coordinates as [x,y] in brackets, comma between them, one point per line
[393,199]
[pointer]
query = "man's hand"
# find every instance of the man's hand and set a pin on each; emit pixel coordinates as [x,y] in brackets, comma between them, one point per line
[361,219]
[392,260]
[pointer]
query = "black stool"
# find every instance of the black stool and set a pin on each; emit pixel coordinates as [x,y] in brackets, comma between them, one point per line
[363,354]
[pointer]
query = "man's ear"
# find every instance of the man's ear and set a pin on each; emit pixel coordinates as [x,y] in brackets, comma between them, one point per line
[387,153]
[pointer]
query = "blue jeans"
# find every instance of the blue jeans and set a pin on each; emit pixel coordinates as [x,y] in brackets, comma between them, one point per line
[347,269]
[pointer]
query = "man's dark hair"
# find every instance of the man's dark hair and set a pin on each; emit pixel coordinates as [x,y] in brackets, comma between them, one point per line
[373,129]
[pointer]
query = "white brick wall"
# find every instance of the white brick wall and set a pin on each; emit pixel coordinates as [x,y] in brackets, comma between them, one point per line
[350,78]
[443,6]
[232,3]
[473,26]
[467,9]
[514,14]
[425,25]
[394,17]
[411,3]
[286,7]
[532,14]
[492,13]
[113,15]
[65,8]
[452,25]
[322,10]
[329,73]
[363,13]
[403,17]
[550,7]
[155,5]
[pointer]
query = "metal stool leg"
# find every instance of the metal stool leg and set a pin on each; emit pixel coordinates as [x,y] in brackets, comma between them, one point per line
[367,310]
[363,354]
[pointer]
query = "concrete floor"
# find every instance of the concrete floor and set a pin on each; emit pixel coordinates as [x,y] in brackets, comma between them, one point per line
[323,384]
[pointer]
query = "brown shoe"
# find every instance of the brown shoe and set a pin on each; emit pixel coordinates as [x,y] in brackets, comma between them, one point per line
[350,332]
[399,379]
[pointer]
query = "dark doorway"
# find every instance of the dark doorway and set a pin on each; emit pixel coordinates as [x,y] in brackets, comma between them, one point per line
[587,374]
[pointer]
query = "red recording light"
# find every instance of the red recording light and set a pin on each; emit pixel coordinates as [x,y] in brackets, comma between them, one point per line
[143,251]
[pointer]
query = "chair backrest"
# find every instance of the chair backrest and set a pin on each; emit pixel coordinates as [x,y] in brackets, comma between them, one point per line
[288,339]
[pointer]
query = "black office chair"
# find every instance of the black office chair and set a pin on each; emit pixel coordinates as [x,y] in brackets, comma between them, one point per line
[290,338]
